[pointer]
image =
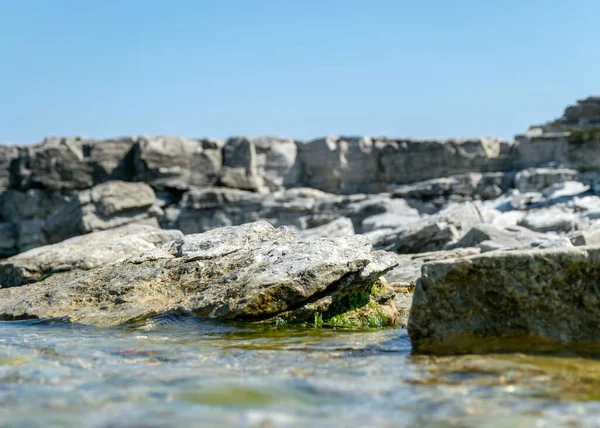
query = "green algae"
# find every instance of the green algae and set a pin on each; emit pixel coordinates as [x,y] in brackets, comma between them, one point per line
[360,307]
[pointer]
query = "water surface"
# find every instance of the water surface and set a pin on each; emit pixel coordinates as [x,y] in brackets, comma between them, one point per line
[183,372]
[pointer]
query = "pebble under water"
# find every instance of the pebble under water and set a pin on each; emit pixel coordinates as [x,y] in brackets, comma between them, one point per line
[189,372]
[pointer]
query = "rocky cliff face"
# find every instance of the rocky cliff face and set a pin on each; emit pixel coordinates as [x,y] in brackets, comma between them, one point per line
[70,186]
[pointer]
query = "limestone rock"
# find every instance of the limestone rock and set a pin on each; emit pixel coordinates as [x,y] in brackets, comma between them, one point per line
[564,190]
[407,161]
[553,219]
[177,162]
[201,210]
[505,301]
[409,266]
[74,163]
[343,165]
[8,239]
[82,252]
[537,179]
[585,112]
[113,159]
[431,234]
[9,155]
[586,237]
[252,272]
[260,164]
[340,227]
[60,164]
[105,206]
[488,237]
[438,192]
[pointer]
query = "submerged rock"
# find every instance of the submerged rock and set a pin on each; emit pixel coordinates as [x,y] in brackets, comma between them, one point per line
[518,300]
[252,272]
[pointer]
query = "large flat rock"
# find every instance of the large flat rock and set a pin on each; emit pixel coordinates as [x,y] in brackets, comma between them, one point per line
[82,252]
[252,272]
[519,300]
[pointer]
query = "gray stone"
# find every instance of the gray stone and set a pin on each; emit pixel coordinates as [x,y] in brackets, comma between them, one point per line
[177,162]
[406,161]
[432,234]
[60,164]
[340,164]
[113,159]
[105,206]
[18,206]
[541,150]
[537,179]
[201,210]
[523,201]
[337,228]
[380,211]
[488,237]
[584,112]
[31,234]
[8,239]
[117,196]
[409,266]
[508,301]
[388,220]
[564,190]
[252,272]
[260,164]
[457,188]
[82,252]
[9,156]
[586,237]
[553,219]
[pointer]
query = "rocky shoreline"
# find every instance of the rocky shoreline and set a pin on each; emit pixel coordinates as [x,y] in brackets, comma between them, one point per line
[496,237]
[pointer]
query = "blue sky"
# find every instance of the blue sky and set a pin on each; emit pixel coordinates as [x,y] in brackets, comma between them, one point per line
[298,68]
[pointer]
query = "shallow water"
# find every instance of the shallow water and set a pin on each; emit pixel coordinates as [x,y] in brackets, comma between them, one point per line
[190,372]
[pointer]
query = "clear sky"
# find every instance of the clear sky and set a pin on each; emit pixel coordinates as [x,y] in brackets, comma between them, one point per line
[297,68]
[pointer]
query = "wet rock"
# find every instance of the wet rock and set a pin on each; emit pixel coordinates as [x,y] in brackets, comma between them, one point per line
[82,252]
[252,272]
[178,162]
[516,300]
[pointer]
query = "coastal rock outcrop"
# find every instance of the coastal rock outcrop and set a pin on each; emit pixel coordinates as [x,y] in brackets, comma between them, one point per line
[515,300]
[253,272]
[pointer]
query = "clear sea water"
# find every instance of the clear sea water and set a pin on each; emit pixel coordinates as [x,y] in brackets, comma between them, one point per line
[188,372]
